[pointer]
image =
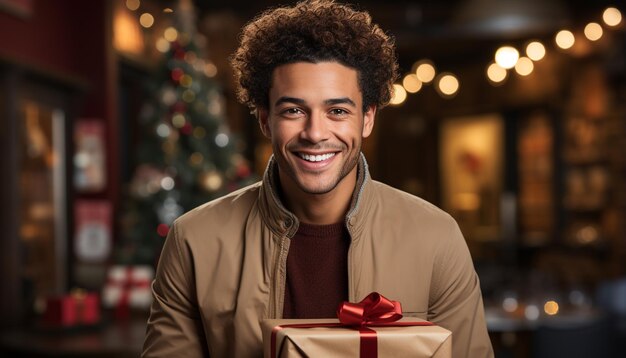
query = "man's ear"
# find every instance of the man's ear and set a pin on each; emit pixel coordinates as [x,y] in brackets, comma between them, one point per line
[368,121]
[262,115]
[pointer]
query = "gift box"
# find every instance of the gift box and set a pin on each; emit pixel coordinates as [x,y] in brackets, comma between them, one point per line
[380,337]
[128,287]
[75,309]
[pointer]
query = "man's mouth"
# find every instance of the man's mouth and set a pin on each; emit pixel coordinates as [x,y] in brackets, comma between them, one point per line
[316,158]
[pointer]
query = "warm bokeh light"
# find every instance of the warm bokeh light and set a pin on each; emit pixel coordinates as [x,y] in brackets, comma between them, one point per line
[212,181]
[593,31]
[535,50]
[612,16]
[146,20]
[447,84]
[186,81]
[132,4]
[162,45]
[496,74]
[399,95]
[196,159]
[551,308]
[411,83]
[210,69]
[565,39]
[170,34]
[199,132]
[531,312]
[178,120]
[510,304]
[524,66]
[425,71]
[506,57]
[168,10]
[127,34]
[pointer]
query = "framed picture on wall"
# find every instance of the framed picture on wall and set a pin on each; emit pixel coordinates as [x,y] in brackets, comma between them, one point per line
[471,164]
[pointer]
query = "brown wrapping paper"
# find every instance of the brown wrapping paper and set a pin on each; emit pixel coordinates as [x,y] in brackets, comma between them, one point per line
[393,342]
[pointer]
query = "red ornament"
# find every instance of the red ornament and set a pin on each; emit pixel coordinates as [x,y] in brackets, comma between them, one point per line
[179,107]
[243,171]
[177,73]
[186,129]
[162,230]
[179,54]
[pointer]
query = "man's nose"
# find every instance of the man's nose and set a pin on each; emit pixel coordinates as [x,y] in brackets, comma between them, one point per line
[316,128]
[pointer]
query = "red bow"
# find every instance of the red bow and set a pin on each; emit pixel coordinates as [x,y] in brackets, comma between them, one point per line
[373,309]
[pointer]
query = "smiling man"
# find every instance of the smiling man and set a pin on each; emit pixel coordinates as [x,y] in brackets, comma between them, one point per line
[317,230]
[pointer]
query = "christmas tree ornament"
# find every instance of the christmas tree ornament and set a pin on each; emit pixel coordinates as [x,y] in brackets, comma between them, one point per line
[168,96]
[169,210]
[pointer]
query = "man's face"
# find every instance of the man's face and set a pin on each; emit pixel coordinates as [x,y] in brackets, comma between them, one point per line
[316,123]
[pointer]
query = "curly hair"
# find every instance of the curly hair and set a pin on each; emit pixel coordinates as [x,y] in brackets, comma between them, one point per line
[314,31]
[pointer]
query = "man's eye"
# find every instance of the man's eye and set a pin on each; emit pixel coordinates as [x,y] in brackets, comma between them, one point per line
[292,111]
[338,112]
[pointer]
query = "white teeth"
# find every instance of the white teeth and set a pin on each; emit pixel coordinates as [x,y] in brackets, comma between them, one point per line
[316,158]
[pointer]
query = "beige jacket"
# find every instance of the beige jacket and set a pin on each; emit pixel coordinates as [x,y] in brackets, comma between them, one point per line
[222,270]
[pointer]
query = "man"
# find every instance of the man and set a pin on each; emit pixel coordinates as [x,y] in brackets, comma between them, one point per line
[317,230]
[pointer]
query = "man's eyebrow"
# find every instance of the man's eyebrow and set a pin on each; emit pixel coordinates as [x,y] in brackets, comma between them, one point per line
[294,100]
[343,100]
[328,102]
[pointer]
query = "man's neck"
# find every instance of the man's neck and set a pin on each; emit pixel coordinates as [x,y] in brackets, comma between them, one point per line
[319,209]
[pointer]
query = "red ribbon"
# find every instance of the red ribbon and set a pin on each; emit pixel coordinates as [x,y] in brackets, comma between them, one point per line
[374,311]
[126,285]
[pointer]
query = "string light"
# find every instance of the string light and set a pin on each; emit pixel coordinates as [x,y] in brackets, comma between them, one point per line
[167,183]
[551,308]
[447,84]
[162,45]
[178,120]
[398,96]
[496,74]
[524,66]
[506,57]
[612,16]
[411,83]
[132,4]
[565,39]
[535,51]
[593,31]
[170,34]
[425,71]
[221,140]
[210,70]
[146,20]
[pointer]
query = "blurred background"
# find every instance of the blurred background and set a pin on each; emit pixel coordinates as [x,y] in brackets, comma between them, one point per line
[118,116]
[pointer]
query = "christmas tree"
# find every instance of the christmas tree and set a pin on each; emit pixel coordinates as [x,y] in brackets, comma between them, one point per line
[186,154]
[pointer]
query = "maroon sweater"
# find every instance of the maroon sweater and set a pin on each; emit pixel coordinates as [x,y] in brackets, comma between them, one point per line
[317,271]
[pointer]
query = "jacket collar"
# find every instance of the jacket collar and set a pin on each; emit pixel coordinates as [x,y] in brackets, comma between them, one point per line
[282,222]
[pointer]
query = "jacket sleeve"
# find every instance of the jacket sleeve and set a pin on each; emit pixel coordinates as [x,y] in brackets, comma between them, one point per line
[174,327]
[455,301]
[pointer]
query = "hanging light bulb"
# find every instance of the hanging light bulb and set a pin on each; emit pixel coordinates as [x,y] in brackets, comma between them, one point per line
[425,71]
[398,96]
[535,50]
[565,39]
[447,84]
[524,66]
[411,83]
[496,74]
[593,31]
[506,57]
[612,16]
